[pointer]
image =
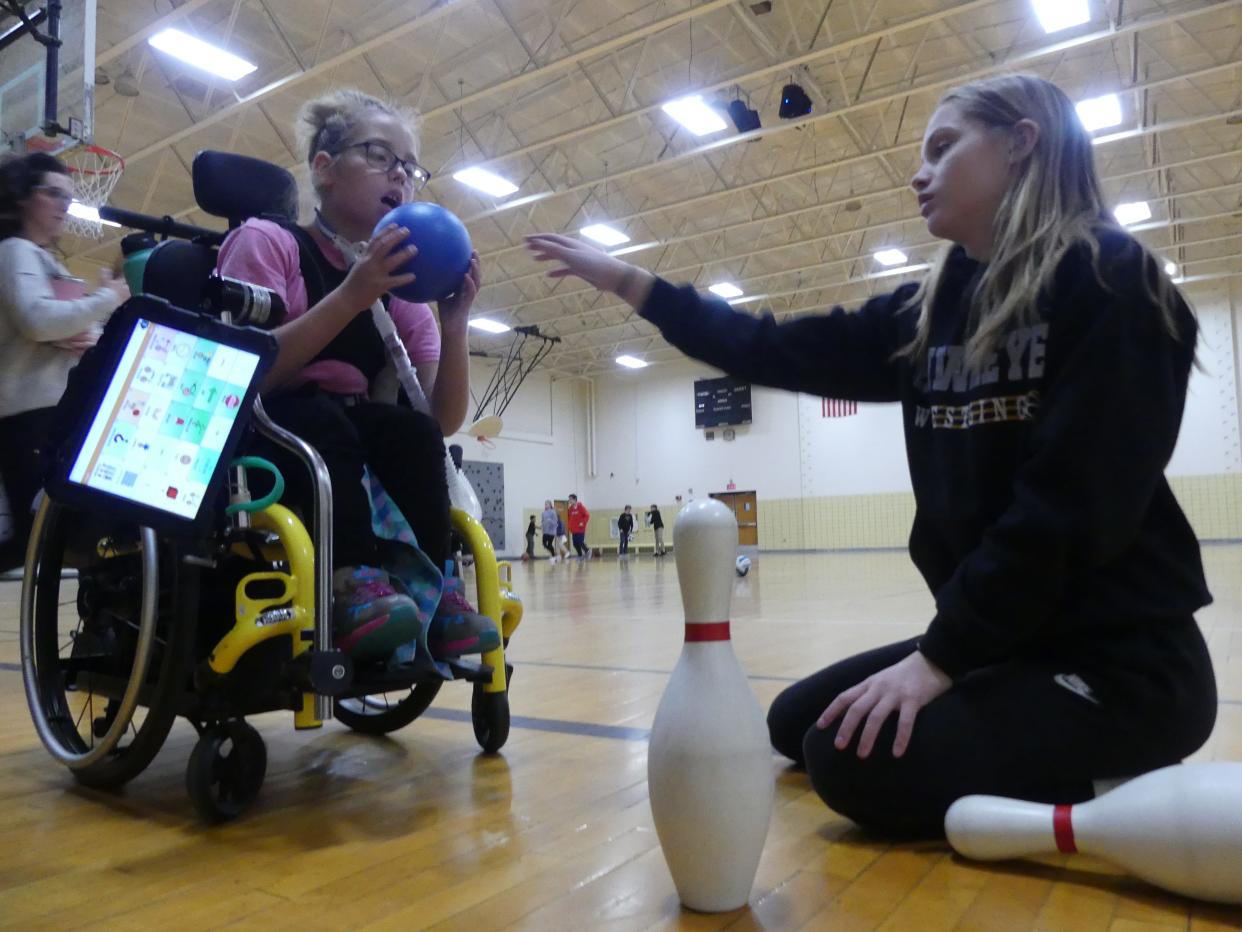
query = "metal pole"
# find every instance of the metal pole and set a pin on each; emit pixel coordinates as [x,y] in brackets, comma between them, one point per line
[51,77]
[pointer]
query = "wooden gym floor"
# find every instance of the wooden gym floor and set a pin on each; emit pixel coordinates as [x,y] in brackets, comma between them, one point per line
[419,831]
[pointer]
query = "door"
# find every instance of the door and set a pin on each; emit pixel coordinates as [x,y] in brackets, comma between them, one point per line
[745,508]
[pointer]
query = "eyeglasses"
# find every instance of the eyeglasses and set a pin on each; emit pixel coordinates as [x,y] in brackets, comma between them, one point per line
[58,194]
[383,159]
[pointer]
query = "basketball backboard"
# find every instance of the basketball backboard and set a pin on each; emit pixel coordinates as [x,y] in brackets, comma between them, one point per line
[47,87]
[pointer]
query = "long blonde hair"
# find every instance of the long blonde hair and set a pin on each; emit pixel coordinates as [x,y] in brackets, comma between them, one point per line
[1054,204]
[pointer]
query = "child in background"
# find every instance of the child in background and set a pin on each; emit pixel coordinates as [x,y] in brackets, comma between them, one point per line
[625,526]
[530,541]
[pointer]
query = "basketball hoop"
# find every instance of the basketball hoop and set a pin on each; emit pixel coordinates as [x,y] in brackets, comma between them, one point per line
[95,172]
[484,429]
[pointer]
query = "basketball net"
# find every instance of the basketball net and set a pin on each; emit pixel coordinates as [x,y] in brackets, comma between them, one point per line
[95,171]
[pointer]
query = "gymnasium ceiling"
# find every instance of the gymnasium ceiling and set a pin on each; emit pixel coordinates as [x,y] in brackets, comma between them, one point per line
[563,98]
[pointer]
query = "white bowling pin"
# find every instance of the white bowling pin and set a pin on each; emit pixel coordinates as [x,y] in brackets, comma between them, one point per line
[1178,827]
[709,766]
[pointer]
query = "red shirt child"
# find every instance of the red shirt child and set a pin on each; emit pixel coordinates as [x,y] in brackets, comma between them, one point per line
[578,516]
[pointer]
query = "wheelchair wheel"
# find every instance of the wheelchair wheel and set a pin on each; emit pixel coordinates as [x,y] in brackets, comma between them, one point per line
[382,713]
[489,714]
[226,770]
[105,657]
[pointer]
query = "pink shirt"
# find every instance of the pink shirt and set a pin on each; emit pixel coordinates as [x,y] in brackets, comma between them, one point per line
[264,253]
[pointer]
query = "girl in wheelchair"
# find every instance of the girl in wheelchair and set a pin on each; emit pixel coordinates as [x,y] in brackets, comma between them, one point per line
[363,162]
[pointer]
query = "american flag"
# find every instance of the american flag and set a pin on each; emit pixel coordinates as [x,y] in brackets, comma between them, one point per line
[832,407]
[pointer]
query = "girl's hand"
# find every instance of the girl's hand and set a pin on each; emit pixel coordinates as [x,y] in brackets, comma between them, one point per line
[457,305]
[904,688]
[593,266]
[375,273]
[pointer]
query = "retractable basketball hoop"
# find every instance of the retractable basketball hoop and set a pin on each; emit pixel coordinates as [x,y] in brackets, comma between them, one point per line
[47,99]
[486,428]
[95,171]
[511,371]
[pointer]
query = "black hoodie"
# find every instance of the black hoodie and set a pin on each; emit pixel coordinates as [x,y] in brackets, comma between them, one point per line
[1043,518]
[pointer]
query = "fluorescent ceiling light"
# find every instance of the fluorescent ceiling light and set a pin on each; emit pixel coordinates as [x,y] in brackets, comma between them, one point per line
[890,257]
[489,326]
[1132,212]
[696,116]
[485,181]
[1055,15]
[604,234]
[899,270]
[726,290]
[1099,112]
[1170,269]
[201,54]
[634,247]
[631,362]
[86,212]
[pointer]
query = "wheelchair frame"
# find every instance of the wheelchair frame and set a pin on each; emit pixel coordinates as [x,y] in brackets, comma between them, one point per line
[227,766]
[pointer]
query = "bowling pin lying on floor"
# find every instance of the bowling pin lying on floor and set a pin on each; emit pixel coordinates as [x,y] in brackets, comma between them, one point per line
[1179,828]
[709,766]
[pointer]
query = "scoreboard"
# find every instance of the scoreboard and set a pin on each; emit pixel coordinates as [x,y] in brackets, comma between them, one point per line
[721,402]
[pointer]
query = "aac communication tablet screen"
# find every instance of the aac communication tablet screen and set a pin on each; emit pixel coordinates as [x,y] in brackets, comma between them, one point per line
[167,414]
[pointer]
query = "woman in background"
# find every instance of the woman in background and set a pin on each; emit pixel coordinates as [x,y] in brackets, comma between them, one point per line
[47,320]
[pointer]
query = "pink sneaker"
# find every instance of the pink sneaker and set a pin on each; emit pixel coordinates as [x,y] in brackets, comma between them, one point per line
[370,618]
[457,628]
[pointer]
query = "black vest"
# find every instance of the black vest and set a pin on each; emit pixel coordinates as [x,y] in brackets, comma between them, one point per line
[359,344]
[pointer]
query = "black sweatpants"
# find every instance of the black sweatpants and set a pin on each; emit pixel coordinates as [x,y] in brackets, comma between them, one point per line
[403,448]
[22,438]
[1040,730]
[547,544]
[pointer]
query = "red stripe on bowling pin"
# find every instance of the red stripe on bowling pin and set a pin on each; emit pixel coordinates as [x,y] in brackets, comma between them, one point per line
[1063,829]
[706,631]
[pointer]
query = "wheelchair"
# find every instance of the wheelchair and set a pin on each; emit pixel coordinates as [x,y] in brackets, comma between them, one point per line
[122,629]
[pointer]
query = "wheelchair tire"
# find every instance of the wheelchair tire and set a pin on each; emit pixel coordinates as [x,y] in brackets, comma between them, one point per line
[226,770]
[489,714]
[375,715]
[135,591]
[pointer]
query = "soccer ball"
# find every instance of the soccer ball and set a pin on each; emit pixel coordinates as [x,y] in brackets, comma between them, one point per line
[742,565]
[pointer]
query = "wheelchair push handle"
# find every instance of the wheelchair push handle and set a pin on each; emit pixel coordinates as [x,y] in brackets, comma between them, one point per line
[164,227]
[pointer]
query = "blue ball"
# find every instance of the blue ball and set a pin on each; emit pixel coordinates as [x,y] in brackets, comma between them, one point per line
[443,250]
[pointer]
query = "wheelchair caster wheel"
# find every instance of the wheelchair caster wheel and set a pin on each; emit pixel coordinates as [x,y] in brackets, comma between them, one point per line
[226,771]
[489,713]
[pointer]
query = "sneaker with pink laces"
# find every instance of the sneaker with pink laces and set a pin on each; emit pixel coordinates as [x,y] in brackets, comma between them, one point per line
[457,628]
[370,618]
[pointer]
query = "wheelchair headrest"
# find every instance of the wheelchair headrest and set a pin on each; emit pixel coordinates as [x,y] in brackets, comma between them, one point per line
[237,187]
